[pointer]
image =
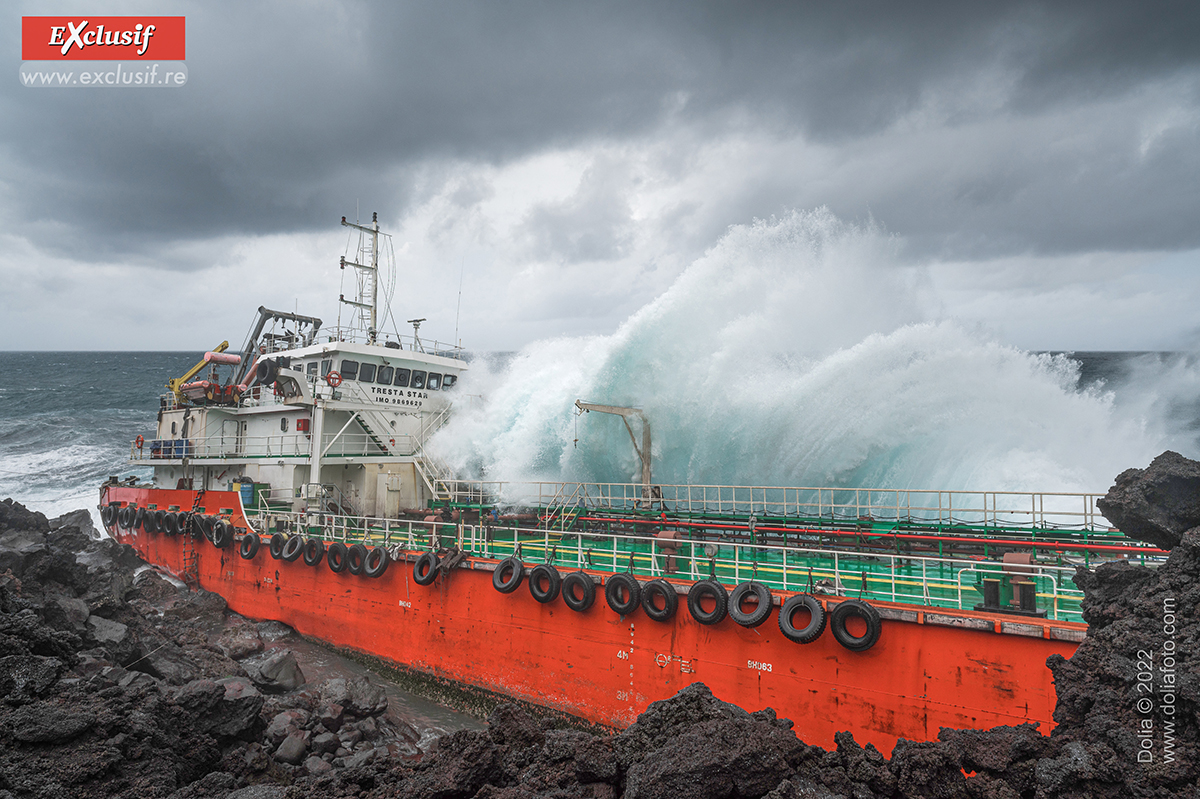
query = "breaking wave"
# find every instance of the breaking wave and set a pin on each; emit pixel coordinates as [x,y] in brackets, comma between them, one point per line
[798,351]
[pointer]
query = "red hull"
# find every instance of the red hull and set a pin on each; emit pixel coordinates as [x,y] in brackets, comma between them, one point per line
[918,678]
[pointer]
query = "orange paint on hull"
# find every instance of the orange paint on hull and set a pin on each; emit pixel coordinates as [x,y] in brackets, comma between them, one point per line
[607,669]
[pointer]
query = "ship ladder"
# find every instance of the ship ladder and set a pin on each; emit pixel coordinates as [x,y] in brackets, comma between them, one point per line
[190,573]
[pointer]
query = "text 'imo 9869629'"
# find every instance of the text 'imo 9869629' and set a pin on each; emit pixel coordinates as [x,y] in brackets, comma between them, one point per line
[298,486]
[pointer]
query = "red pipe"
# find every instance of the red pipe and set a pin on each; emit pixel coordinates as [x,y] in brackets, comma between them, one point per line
[1055,545]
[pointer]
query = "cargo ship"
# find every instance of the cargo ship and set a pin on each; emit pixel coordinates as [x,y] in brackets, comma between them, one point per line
[293,478]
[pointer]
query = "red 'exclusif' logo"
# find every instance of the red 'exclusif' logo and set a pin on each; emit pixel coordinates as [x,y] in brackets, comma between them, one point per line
[102,38]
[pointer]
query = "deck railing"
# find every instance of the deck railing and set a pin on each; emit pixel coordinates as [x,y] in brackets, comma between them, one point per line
[1042,510]
[919,580]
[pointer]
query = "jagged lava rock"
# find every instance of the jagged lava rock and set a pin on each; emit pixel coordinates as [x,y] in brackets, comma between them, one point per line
[1158,503]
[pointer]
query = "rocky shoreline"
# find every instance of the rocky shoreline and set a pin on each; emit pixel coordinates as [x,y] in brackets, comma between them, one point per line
[116,682]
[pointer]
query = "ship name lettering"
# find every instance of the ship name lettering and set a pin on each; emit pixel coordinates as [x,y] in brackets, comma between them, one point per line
[404,604]
[754,664]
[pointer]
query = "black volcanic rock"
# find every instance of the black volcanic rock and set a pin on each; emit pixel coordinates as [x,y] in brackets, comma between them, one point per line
[1158,503]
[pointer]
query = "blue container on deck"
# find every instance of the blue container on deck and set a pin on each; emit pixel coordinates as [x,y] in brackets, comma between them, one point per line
[247,490]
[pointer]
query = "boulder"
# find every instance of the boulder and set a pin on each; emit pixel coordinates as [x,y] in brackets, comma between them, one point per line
[80,519]
[324,743]
[66,613]
[240,642]
[292,750]
[315,765]
[279,673]
[27,676]
[329,715]
[46,723]
[284,724]
[1156,504]
[113,636]
[359,697]
[169,663]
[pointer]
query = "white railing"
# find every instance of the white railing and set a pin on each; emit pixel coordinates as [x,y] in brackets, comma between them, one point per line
[275,445]
[1043,510]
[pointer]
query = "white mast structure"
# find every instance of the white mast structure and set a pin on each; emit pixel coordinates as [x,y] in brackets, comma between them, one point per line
[365,305]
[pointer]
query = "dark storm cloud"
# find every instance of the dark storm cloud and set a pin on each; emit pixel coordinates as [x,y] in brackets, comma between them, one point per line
[293,114]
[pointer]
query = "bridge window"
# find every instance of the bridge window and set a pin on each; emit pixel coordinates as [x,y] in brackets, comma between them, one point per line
[312,369]
[366,373]
[384,378]
[402,376]
[434,382]
[349,370]
[418,379]
[448,382]
[326,367]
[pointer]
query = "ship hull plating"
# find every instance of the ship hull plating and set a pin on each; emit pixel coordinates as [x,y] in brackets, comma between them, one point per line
[922,675]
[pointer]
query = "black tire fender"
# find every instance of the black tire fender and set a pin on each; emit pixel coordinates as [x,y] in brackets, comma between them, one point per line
[516,572]
[335,557]
[377,562]
[108,515]
[760,613]
[276,545]
[222,534]
[425,570]
[356,558]
[659,589]
[139,518]
[249,545]
[842,613]
[720,598]
[171,524]
[292,548]
[158,521]
[633,593]
[546,572]
[314,550]
[816,623]
[587,591]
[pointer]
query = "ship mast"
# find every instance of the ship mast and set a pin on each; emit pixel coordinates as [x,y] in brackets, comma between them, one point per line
[366,300]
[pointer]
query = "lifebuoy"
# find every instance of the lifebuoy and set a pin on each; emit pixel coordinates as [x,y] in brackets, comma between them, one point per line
[314,550]
[137,442]
[335,557]
[633,594]
[654,591]
[544,572]
[426,568]
[377,562]
[249,546]
[587,591]
[855,608]
[740,594]
[334,379]
[356,558]
[816,622]
[515,571]
[720,597]
[292,548]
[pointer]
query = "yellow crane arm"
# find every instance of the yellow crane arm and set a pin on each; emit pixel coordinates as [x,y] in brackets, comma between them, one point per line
[174,385]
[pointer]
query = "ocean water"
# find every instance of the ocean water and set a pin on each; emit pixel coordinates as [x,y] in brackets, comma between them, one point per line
[797,351]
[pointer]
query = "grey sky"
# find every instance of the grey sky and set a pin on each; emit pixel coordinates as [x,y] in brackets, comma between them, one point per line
[570,160]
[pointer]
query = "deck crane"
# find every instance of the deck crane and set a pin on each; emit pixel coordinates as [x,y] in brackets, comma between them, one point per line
[643,452]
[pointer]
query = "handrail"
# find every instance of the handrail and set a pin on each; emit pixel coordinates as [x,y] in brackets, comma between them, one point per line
[903,578]
[1041,510]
